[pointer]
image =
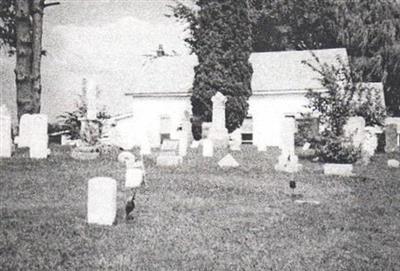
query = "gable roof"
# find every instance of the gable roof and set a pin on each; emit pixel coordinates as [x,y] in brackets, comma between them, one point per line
[273,72]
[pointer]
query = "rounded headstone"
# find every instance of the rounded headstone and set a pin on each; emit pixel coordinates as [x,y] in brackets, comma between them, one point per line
[125,156]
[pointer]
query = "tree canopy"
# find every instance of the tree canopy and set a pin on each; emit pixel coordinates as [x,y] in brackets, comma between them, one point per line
[368,29]
[221,39]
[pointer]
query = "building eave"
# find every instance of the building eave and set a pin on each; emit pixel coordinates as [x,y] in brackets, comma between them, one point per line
[255,93]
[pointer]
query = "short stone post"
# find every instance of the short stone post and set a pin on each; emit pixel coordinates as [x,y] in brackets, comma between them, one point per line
[5,132]
[102,201]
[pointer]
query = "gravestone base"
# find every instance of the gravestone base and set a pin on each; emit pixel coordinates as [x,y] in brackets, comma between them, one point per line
[169,160]
[220,138]
[338,169]
[85,152]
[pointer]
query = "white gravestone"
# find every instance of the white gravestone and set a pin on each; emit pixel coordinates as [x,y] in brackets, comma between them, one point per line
[355,129]
[38,148]
[236,140]
[102,201]
[208,148]
[134,174]
[169,156]
[25,131]
[125,157]
[183,142]
[288,160]
[5,132]
[218,132]
[369,145]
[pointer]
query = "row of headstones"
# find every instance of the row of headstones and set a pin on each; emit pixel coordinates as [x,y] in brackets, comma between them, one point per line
[32,134]
[102,191]
[361,136]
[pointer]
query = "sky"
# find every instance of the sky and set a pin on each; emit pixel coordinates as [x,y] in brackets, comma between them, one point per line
[104,40]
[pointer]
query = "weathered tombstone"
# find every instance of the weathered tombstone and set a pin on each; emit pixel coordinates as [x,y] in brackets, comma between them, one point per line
[218,132]
[355,129]
[288,161]
[235,140]
[102,201]
[208,148]
[391,138]
[25,131]
[393,163]
[126,156]
[134,174]
[38,148]
[145,148]
[187,127]
[183,142]
[395,120]
[228,162]
[168,156]
[369,145]
[5,132]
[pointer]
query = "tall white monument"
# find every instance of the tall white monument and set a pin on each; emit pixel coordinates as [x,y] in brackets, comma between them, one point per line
[218,132]
[288,160]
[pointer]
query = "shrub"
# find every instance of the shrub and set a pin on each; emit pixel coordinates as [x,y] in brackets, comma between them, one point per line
[343,99]
[333,149]
[72,122]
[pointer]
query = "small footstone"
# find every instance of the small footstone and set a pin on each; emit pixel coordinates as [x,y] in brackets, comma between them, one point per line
[392,163]
[228,161]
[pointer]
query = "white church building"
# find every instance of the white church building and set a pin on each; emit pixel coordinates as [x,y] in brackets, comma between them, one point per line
[279,84]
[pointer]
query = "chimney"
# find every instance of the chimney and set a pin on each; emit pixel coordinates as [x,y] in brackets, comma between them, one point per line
[160,51]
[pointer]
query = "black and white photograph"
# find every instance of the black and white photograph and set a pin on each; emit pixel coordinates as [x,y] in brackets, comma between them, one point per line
[200,135]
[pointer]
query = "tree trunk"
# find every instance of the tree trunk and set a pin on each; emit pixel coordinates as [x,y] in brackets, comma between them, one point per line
[23,65]
[37,32]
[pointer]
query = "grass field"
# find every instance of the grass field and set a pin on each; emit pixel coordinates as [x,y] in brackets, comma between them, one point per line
[200,217]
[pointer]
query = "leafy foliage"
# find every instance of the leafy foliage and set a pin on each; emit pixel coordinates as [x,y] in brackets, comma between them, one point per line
[7,24]
[344,98]
[72,122]
[221,39]
[334,149]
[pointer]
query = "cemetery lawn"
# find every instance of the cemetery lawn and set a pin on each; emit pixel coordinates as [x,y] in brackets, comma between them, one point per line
[200,217]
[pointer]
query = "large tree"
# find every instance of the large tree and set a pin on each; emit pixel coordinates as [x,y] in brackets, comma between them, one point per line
[221,39]
[21,30]
[369,29]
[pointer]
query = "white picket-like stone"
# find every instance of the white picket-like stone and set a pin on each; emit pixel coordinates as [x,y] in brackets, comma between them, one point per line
[133,177]
[25,131]
[208,148]
[38,143]
[102,201]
